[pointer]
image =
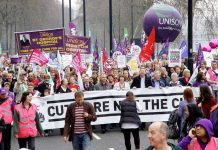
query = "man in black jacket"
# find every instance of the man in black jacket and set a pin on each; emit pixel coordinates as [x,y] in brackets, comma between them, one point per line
[87,85]
[141,81]
[44,85]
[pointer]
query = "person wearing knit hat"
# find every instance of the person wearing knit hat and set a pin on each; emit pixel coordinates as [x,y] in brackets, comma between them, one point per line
[200,138]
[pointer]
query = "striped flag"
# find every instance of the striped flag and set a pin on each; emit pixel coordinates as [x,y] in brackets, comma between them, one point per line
[77,62]
[37,57]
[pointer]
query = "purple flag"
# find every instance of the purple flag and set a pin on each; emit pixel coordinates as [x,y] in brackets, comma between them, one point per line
[72,28]
[184,49]
[200,57]
[95,53]
[165,48]
[119,47]
[125,45]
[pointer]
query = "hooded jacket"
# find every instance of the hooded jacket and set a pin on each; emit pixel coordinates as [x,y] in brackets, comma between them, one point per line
[210,145]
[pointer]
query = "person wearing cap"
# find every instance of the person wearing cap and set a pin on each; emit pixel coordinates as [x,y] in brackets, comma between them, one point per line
[200,138]
[6,109]
[7,87]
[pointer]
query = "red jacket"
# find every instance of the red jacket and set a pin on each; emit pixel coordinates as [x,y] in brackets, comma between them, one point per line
[207,106]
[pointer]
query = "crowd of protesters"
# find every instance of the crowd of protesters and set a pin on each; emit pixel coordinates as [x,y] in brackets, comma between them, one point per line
[22,81]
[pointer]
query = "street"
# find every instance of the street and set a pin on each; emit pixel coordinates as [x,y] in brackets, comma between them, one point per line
[112,140]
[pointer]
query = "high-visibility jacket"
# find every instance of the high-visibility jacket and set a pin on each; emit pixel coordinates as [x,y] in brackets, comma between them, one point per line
[26,121]
[211,145]
[6,111]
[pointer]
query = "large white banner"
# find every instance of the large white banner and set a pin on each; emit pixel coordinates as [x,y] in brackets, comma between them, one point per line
[156,103]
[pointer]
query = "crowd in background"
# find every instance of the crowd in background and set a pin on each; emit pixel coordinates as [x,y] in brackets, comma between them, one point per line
[43,81]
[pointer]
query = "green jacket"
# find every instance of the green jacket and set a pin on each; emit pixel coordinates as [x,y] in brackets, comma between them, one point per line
[174,147]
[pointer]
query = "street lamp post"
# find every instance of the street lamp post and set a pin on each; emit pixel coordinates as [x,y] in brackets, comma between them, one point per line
[190,36]
[110,25]
[70,16]
[62,13]
[84,17]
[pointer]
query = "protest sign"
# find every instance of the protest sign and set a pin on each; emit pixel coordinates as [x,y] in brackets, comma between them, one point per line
[121,61]
[135,50]
[44,40]
[116,54]
[174,57]
[208,57]
[66,59]
[133,65]
[89,58]
[75,43]
[156,105]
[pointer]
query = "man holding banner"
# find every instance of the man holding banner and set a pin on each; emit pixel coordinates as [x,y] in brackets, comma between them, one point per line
[103,85]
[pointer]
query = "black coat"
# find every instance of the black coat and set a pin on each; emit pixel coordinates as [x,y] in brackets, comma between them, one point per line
[60,90]
[90,88]
[42,86]
[137,82]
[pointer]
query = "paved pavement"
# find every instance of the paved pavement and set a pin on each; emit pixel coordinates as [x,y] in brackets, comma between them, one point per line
[112,140]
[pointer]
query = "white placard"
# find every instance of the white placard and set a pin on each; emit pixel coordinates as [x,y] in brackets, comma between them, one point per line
[121,61]
[116,54]
[89,58]
[174,58]
[66,59]
[208,57]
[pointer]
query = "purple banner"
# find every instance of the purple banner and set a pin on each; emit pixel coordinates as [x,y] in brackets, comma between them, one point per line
[44,40]
[75,43]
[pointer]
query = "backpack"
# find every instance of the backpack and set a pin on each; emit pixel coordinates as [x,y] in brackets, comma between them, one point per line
[172,124]
[214,120]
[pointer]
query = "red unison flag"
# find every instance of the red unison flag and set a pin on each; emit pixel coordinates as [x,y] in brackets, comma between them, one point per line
[37,57]
[77,62]
[148,48]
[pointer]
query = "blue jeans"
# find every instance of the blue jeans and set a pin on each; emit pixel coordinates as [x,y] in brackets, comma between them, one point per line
[81,141]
